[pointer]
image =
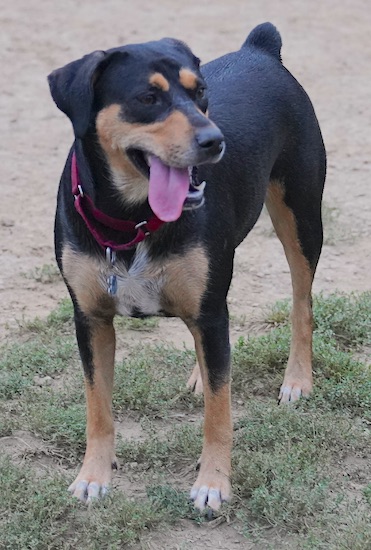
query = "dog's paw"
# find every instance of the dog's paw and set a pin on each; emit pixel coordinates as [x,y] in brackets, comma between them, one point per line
[195,381]
[211,489]
[93,481]
[292,390]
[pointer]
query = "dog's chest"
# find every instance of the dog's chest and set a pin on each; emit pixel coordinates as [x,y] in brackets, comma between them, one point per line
[139,286]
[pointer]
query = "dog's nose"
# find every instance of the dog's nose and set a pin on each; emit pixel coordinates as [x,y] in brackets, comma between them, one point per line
[210,139]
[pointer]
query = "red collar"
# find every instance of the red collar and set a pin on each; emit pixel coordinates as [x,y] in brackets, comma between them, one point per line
[96,221]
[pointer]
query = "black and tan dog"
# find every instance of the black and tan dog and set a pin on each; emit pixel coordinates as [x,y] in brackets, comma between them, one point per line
[138,233]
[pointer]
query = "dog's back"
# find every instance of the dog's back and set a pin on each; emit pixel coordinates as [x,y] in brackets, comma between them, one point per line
[269,124]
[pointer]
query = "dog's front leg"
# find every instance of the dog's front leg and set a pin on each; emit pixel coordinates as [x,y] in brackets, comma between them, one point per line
[213,486]
[96,339]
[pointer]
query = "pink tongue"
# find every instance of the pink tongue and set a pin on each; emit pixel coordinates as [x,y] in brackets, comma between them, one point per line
[168,189]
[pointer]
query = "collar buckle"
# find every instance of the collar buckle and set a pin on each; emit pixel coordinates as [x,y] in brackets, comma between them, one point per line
[142,225]
[81,192]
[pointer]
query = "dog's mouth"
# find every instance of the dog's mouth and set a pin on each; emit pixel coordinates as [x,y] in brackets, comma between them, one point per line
[171,190]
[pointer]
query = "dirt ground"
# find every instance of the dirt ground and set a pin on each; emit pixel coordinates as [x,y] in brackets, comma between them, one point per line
[326,45]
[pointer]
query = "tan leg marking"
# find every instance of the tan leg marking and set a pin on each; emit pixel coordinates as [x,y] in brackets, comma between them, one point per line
[298,378]
[213,486]
[95,475]
[185,283]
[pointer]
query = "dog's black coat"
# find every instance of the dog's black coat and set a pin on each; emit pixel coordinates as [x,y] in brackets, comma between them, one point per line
[271,135]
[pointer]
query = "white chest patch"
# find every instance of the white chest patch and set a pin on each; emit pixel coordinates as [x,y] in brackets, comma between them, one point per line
[139,287]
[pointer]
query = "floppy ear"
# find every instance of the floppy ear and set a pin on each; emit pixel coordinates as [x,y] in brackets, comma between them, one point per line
[72,88]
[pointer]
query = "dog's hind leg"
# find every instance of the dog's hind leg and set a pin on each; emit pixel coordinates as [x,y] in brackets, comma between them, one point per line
[299,228]
[195,381]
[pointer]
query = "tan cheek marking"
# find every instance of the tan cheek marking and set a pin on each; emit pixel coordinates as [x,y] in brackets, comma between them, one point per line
[158,80]
[188,79]
[109,130]
[164,139]
[185,284]
[85,276]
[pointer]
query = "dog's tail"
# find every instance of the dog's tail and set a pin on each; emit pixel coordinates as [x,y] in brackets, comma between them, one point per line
[267,38]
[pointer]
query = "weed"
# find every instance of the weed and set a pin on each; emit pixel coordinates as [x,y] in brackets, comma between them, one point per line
[46,274]
[153,379]
[132,323]
[21,362]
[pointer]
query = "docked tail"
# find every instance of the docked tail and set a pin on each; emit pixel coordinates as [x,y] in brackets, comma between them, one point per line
[267,38]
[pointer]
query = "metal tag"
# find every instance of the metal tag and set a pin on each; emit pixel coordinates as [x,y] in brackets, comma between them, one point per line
[112,285]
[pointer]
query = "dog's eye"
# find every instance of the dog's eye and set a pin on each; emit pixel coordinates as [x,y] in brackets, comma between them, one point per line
[200,93]
[148,98]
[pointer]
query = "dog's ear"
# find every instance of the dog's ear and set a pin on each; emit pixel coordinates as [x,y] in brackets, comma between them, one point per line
[72,88]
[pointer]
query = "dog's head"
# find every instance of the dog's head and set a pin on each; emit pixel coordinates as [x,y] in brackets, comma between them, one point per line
[147,105]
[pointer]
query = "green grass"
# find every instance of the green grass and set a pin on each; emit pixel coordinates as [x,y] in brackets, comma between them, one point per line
[287,461]
[46,274]
[37,513]
[147,324]
[21,362]
[152,380]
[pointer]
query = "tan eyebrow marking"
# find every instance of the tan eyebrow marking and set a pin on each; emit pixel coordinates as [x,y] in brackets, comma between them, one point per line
[188,79]
[158,80]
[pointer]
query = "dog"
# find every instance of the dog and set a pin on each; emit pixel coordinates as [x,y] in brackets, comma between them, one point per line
[169,171]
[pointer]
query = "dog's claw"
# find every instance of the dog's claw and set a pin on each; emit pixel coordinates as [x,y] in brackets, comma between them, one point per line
[208,497]
[289,394]
[210,514]
[293,389]
[88,492]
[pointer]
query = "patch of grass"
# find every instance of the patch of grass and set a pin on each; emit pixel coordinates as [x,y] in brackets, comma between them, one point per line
[279,313]
[178,446]
[57,422]
[283,462]
[174,504]
[7,422]
[38,513]
[116,522]
[343,317]
[286,460]
[58,321]
[367,494]
[19,363]
[34,513]
[62,316]
[46,274]
[153,379]
[258,362]
[132,323]
[347,531]
[342,324]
